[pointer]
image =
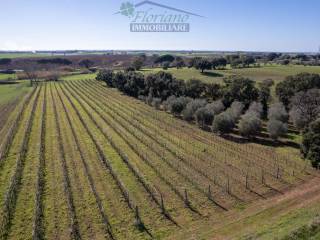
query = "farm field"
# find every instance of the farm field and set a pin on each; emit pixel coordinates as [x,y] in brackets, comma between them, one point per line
[7,76]
[275,72]
[21,55]
[82,161]
[10,96]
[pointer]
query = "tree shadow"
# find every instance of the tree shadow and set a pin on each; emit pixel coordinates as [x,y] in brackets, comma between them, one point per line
[212,74]
[261,141]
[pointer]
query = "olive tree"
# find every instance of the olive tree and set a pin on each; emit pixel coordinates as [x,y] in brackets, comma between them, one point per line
[223,123]
[276,128]
[249,124]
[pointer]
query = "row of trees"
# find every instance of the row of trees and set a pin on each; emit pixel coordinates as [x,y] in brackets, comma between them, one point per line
[221,107]
[194,100]
[162,85]
[300,95]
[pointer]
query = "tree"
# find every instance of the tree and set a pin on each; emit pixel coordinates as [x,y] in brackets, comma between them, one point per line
[272,56]
[176,105]
[106,76]
[163,84]
[134,85]
[179,62]
[137,63]
[264,94]
[216,107]
[204,116]
[247,60]
[203,64]
[219,63]
[165,58]
[239,89]
[305,106]
[60,61]
[213,91]
[194,88]
[286,89]
[191,108]
[276,128]
[5,61]
[86,63]
[277,111]
[256,108]
[311,143]
[165,65]
[193,62]
[32,75]
[156,103]
[236,110]
[249,124]
[223,123]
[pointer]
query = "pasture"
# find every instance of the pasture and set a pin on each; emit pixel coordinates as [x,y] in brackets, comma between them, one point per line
[82,161]
[275,72]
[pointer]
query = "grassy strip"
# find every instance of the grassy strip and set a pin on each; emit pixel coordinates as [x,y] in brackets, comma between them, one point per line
[305,232]
[91,182]
[38,233]
[12,192]
[5,146]
[75,233]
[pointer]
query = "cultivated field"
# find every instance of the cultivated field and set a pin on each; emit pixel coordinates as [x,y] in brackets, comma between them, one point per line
[82,161]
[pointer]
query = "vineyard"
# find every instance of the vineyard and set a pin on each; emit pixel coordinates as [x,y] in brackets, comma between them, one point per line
[79,160]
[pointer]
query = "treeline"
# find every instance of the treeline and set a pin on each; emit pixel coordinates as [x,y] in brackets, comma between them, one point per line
[238,104]
[240,60]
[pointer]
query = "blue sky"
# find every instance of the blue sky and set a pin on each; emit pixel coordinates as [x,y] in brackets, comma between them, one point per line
[255,25]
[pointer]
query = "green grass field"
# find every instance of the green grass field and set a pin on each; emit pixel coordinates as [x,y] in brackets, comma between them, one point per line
[80,76]
[21,55]
[275,72]
[4,76]
[9,92]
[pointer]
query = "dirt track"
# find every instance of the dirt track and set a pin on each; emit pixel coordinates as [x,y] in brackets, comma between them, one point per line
[241,222]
